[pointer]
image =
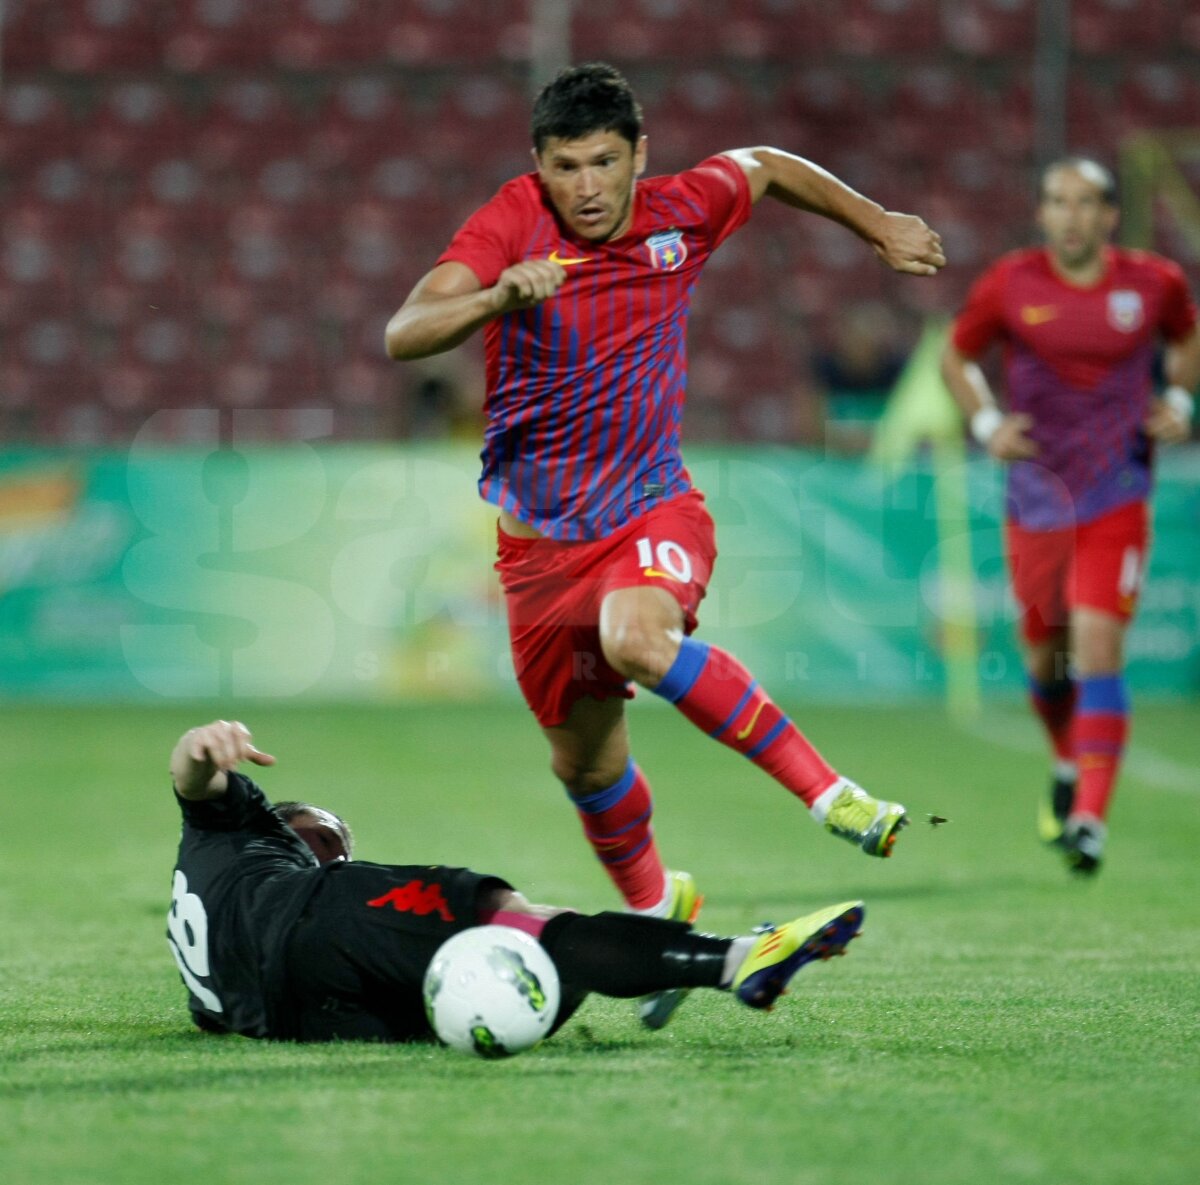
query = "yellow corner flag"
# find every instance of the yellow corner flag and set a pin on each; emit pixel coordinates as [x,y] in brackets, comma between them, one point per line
[921,411]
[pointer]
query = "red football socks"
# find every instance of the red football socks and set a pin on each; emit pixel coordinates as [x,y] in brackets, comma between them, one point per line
[616,821]
[1054,704]
[1101,733]
[717,694]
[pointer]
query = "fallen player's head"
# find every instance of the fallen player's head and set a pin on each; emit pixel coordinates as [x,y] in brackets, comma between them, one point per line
[327,835]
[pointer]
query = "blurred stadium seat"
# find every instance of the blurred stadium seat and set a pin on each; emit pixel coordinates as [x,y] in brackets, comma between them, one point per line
[871,28]
[1119,26]
[35,124]
[90,36]
[990,27]
[209,35]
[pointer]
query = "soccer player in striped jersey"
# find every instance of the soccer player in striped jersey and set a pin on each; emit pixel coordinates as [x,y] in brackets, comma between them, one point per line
[1080,321]
[580,274]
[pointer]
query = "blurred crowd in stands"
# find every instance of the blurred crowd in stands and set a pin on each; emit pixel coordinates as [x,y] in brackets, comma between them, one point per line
[218,203]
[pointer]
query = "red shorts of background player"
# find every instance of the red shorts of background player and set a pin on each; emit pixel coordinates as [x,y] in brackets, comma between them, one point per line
[553,592]
[1097,565]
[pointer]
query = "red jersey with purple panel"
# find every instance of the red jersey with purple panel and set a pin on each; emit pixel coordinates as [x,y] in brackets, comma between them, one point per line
[1079,361]
[585,391]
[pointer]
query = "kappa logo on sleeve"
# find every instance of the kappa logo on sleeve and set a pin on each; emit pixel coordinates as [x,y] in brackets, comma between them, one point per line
[415,898]
[667,250]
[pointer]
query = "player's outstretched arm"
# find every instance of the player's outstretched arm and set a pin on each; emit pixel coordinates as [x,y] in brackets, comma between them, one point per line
[902,241]
[202,757]
[1005,437]
[449,304]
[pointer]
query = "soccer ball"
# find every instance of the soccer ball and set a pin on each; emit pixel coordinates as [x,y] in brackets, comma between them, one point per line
[492,991]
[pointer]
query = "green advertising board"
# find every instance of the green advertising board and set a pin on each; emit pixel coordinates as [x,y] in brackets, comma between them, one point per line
[366,572]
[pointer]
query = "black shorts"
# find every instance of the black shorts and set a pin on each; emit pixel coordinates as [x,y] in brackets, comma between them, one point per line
[355,961]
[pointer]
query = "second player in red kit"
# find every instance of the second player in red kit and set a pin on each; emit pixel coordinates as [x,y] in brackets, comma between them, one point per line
[1081,322]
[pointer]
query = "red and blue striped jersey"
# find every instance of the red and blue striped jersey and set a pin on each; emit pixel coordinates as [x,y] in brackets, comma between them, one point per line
[585,391]
[1080,362]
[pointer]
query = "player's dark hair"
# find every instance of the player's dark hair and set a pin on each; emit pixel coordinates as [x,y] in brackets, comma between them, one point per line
[585,99]
[1091,169]
[285,812]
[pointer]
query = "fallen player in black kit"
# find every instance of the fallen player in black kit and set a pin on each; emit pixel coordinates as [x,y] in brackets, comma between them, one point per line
[279,933]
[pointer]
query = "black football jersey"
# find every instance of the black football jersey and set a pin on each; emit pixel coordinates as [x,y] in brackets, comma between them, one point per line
[242,878]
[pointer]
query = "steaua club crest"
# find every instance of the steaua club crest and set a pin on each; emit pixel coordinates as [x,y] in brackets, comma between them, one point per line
[1125,310]
[667,250]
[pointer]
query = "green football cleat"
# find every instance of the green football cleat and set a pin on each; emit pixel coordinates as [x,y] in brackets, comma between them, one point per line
[783,950]
[686,900]
[1053,810]
[866,821]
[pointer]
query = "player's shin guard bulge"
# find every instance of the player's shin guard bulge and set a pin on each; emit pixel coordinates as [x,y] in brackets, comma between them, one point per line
[717,694]
[781,951]
[1053,702]
[616,821]
[1101,734]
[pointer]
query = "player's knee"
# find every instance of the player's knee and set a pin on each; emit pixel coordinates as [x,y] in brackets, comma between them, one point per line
[1099,641]
[581,777]
[637,652]
[1103,656]
[1047,663]
[640,632]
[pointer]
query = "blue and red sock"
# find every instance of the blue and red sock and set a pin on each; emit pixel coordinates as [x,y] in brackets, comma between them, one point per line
[717,694]
[616,821]
[1101,733]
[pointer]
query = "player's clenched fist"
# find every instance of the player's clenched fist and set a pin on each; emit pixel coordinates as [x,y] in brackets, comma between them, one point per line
[906,244]
[528,283]
[1011,440]
[1167,423]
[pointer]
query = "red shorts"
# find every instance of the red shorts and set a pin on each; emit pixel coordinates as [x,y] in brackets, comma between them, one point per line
[553,592]
[1098,565]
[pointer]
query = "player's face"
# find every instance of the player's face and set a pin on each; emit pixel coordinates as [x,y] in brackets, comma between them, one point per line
[319,829]
[1074,217]
[590,182]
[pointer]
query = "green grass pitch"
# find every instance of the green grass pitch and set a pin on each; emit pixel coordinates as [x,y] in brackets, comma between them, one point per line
[998,1022]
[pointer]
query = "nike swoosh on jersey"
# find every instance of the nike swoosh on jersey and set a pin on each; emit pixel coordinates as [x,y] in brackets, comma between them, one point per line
[556,258]
[741,736]
[1038,314]
[656,572]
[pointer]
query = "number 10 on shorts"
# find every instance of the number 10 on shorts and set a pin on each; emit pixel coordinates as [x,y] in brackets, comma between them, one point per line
[664,559]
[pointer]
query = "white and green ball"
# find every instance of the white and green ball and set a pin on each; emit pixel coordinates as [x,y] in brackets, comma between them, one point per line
[491,991]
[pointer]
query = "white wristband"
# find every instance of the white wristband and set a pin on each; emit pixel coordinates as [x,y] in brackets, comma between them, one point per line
[1180,400]
[985,422]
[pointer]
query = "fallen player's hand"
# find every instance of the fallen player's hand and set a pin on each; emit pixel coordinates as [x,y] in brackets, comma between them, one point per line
[224,744]
[906,244]
[1011,440]
[204,755]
